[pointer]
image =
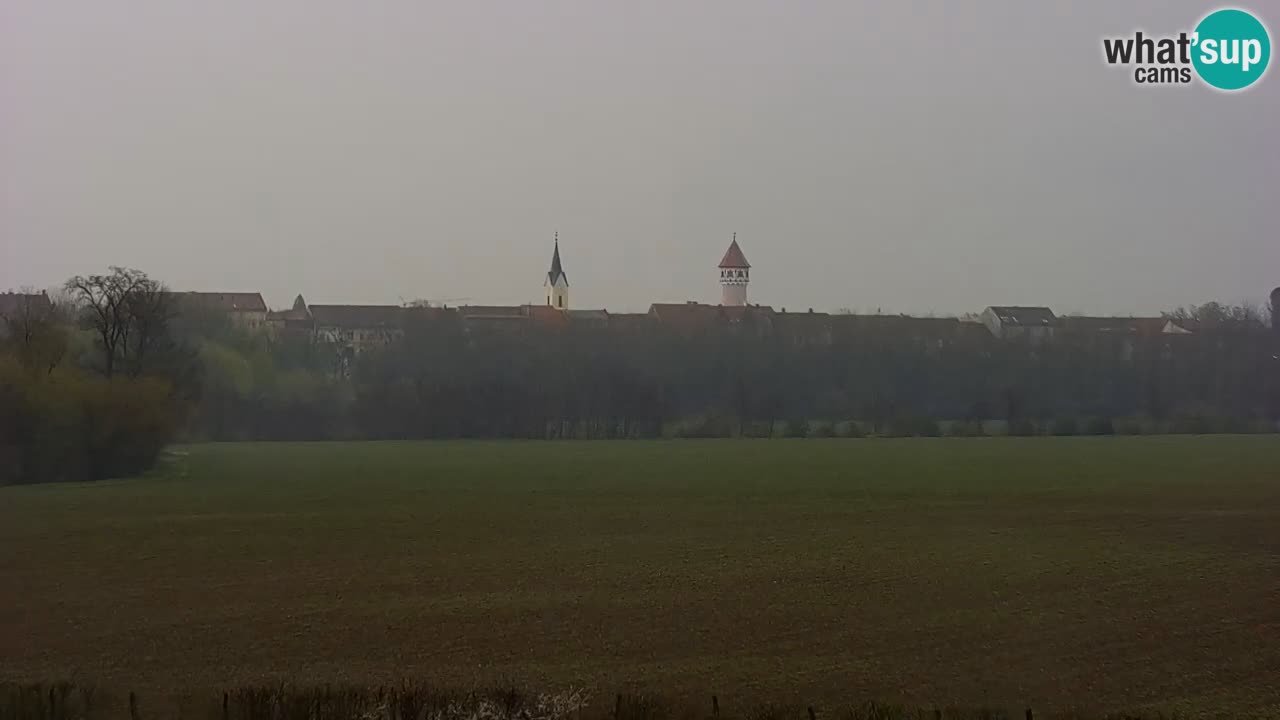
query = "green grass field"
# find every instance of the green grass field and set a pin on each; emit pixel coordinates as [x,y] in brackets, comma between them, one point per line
[1060,573]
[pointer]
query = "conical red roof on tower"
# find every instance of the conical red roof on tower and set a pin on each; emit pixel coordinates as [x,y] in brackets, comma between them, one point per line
[733,258]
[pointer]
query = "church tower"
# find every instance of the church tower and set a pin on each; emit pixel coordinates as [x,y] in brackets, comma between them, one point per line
[735,273]
[557,283]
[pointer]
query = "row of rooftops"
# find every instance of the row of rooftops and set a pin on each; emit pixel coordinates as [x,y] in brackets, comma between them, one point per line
[686,316]
[1038,317]
[689,316]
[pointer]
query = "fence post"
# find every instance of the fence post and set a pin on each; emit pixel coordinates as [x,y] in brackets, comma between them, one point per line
[226,706]
[617,706]
[1030,715]
[715,706]
[133,705]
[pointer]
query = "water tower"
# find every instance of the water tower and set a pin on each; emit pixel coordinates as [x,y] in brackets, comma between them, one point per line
[735,273]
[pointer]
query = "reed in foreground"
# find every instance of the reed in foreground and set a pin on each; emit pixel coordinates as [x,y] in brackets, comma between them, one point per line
[410,701]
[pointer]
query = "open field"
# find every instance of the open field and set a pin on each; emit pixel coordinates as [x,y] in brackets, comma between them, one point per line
[1090,573]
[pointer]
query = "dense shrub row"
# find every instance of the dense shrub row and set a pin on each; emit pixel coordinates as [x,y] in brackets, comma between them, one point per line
[69,425]
[94,385]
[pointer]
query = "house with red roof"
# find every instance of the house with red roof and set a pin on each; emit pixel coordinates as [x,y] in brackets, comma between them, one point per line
[246,310]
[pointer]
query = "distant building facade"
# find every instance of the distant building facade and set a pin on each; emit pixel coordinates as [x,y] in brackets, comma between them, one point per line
[1017,322]
[358,327]
[295,322]
[18,309]
[246,310]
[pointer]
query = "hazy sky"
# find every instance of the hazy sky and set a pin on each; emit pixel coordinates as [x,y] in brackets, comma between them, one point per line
[912,156]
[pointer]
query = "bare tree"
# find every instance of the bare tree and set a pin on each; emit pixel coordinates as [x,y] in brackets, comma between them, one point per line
[151,309]
[123,308]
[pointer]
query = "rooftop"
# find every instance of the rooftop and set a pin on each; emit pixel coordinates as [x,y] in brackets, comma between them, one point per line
[733,257]
[11,302]
[556,273]
[1024,316]
[497,312]
[225,301]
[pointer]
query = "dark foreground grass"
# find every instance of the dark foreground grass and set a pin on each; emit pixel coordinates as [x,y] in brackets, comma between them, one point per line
[409,701]
[1065,574]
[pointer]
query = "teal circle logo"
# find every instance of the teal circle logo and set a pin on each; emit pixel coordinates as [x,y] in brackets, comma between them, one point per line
[1231,49]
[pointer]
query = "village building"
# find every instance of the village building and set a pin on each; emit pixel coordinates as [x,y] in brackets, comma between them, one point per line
[687,318]
[929,334]
[588,319]
[358,328]
[631,324]
[804,328]
[19,309]
[246,310]
[1012,322]
[495,318]
[294,322]
[749,320]
[1122,333]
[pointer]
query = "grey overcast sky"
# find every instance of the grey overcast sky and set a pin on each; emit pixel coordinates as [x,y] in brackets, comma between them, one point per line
[910,156]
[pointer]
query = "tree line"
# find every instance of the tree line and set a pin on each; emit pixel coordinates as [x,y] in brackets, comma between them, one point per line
[95,382]
[887,378]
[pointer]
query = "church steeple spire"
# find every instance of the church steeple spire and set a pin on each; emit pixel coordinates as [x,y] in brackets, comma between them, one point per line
[557,282]
[557,270]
